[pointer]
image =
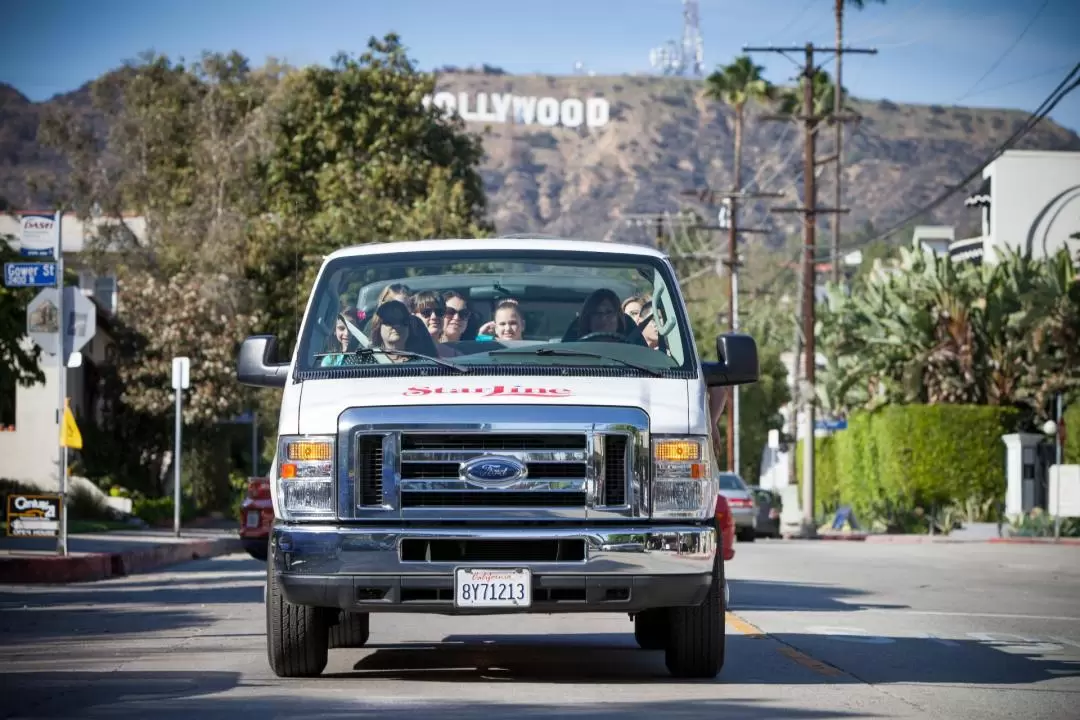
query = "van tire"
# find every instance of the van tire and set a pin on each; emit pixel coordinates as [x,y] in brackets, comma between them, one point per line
[651,629]
[297,636]
[695,647]
[351,631]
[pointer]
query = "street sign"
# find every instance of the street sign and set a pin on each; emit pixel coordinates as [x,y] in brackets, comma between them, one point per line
[43,320]
[39,274]
[33,515]
[37,236]
[70,436]
[830,424]
[181,371]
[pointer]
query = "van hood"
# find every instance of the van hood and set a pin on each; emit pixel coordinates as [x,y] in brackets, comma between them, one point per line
[665,400]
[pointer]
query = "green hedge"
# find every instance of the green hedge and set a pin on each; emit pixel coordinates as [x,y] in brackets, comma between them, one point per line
[890,462]
[1072,433]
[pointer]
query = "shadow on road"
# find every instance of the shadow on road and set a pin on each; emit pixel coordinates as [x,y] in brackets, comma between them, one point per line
[614,658]
[185,695]
[67,694]
[766,594]
[84,623]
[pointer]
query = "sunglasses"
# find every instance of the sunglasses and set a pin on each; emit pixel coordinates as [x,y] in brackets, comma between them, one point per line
[452,313]
[426,313]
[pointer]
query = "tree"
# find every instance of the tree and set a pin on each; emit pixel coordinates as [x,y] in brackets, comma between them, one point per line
[18,361]
[243,176]
[940,332]
[737,84]
[355,157]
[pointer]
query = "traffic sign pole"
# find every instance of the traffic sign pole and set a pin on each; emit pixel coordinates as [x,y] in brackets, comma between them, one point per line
[61,376]
[180,382]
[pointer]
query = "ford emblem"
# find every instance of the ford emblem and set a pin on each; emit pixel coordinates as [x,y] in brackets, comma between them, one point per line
[493,471]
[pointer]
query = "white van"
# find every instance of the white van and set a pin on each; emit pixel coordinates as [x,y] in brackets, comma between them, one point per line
[476,426]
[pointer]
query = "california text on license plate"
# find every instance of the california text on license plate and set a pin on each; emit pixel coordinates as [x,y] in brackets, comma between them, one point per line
[509,587]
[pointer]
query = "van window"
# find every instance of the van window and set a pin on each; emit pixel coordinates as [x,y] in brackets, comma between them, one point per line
[555,313]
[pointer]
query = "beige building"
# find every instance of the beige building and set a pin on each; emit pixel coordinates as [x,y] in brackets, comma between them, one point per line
[29,429]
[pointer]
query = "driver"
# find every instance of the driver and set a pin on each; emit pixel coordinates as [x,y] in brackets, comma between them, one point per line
[601,313]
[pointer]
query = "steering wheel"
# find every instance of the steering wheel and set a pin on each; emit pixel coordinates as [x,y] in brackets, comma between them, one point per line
[603,336]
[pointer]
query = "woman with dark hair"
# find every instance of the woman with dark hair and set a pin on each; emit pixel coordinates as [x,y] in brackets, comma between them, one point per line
[430,308]
[341,344]
[457,316]
[601,313]
[390,328]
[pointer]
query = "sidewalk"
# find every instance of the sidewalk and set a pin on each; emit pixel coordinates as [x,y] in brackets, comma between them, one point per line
[97,556]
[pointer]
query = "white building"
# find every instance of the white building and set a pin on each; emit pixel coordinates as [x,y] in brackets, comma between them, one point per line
[1029,201]
[29,429]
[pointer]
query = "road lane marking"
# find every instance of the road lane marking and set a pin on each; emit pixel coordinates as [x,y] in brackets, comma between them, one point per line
[746,629]
[855,608]
[849,634]
[811,663]
[753,631]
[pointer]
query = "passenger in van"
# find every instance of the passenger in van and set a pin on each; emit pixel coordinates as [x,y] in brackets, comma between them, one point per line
[650,333]
[509,322]
[391,328]
[431,309]
[396,291]
[633,304]
[457,316]
[342,343]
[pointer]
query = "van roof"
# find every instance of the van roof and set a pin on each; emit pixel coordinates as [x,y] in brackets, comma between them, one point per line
[518,242]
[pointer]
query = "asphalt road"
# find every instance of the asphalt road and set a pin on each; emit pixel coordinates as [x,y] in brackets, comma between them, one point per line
[816,630]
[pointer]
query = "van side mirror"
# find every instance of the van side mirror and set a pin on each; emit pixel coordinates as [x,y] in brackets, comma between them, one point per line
[254,366]
[738,364]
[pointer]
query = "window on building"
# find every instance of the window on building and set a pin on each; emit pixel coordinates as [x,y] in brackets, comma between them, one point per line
[102,288]
[8,389]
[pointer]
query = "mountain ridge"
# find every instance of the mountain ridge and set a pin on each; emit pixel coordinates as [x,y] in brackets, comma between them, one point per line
[662,137]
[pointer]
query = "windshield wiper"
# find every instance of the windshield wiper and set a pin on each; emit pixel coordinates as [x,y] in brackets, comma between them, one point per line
[565,352]
[367,352]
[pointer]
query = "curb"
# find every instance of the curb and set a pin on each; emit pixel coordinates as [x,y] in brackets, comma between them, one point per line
[938,539]
[1036,541]
[101,566]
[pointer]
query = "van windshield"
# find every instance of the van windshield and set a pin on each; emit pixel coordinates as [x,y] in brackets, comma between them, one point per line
[469,311]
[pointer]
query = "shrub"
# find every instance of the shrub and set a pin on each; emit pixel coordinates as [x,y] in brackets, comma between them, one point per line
[901,463]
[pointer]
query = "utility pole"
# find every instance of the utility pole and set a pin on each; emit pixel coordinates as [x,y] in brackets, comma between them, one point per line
[732,197]
[809,211]
[838,107]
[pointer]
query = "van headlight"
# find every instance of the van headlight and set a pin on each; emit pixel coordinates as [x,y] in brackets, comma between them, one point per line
[305,475]
[683,484]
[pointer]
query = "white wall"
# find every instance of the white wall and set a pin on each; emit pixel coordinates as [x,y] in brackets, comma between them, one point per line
[1036,201]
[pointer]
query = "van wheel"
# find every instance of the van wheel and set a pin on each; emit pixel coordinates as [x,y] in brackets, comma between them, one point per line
[695,647]
[351,631]
[297,636]
[651,629]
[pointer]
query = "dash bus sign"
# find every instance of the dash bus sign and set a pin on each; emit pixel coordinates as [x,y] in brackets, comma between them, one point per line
[33,515]
[37,236]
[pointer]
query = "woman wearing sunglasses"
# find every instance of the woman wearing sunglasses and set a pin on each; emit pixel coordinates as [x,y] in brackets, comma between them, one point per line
[457,316]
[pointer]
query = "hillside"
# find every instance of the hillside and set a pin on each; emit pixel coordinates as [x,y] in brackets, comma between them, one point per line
[663,136]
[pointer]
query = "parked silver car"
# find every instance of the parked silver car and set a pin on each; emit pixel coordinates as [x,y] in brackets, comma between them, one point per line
[743,505]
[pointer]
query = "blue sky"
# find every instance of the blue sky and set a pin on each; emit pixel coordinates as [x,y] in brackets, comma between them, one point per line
[929,51]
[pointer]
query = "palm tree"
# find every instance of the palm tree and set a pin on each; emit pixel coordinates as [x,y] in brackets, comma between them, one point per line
[839,101]
[737,84]
[823,92]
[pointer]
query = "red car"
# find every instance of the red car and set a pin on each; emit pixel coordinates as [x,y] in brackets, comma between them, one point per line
[725,522]
[256,517]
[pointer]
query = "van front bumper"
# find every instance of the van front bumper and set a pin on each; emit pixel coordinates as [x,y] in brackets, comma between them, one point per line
[574,568]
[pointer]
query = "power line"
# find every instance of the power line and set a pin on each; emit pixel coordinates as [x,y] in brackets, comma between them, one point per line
[1063,88]
[1005,54]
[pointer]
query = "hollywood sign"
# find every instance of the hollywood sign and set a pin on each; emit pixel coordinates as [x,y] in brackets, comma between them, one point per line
[523,110]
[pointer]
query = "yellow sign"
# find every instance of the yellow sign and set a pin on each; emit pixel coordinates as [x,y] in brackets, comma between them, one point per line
[70,435]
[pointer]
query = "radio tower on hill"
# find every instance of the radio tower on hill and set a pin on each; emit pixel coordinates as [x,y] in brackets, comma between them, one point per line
[686,57]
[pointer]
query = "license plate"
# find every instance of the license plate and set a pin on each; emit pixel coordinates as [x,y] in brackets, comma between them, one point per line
[253,518]
[474,587]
